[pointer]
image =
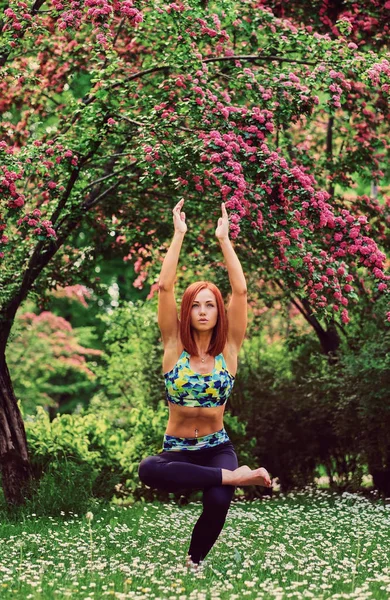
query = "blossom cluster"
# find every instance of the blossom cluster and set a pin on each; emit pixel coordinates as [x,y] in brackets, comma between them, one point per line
[338,85]
[39,227]
[142,255]
[213,30]
[60,338]
[8,186]
[286,207]
[379,75]
[70,14]
[295,94]
[8,190]
[32,223]
[358,22]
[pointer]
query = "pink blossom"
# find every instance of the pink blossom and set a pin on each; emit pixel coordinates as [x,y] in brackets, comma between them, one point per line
[234,230]
[378,273]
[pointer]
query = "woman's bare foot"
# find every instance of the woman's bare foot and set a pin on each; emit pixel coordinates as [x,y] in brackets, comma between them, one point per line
[190,564]
[258,476]
[246,476]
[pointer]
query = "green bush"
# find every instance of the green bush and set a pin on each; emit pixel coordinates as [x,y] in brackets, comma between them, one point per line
[365,396]
[281,424]
[107,442]
[65,485]
[305,411]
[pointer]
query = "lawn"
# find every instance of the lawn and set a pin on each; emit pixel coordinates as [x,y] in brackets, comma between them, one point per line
[311,544]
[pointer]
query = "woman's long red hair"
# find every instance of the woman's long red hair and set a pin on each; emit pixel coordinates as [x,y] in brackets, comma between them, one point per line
[219,335]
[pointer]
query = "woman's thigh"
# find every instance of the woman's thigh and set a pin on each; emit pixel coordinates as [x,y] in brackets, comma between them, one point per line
[224,457]
[152,472]
[217,499]
[176,471]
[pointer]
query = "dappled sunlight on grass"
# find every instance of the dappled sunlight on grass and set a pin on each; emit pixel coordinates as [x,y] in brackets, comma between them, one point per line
[312,544]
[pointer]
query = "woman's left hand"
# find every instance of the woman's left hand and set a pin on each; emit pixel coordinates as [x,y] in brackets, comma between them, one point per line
[222,231]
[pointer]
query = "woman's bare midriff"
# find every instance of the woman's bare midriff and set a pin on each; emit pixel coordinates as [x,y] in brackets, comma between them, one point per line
[183,420]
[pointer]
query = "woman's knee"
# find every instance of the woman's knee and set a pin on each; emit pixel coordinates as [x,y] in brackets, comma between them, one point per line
[217,499]
[147,469]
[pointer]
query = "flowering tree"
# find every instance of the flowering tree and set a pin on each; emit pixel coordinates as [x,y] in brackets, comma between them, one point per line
[105,120]
[367,21]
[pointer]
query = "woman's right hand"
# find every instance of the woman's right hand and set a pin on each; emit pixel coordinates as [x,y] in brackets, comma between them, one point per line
[179,218]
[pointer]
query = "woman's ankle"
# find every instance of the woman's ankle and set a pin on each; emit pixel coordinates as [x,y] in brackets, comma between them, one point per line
[228,477]
[190,564]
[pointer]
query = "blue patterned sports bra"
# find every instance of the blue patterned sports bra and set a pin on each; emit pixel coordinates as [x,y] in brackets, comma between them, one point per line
[187,388]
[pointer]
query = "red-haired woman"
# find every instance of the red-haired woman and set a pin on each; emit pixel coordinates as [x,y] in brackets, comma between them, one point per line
[199,365]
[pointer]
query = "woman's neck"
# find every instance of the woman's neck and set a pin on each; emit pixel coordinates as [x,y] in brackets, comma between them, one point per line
[202,341]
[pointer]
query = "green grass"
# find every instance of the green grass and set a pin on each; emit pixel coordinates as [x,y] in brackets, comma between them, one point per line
[312,544]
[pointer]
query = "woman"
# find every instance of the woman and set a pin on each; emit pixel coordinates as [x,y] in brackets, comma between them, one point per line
[199,365]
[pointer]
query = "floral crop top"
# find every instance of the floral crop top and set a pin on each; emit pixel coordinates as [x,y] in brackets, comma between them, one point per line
[187,388]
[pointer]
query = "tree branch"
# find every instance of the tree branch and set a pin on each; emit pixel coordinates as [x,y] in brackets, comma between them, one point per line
[309,318]
[89,205]
[329,148]
[72,180]
[247,57]
[106,177]
[133,122]
[36,6]
[254,57]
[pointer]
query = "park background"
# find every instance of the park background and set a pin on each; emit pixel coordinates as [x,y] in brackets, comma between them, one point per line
[112,111]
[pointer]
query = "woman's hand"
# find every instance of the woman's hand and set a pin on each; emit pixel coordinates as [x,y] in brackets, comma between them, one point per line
[179,218]
[222,231]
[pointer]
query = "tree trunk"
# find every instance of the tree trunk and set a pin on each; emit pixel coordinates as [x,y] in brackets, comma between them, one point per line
[379,468]
[14,460]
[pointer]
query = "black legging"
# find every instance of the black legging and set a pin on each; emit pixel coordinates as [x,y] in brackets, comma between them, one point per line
[196,469]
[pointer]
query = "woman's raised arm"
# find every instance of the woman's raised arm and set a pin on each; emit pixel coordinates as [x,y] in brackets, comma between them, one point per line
[237,309]
[168,321]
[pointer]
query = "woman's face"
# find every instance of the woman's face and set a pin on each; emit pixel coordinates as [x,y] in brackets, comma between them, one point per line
[204,311]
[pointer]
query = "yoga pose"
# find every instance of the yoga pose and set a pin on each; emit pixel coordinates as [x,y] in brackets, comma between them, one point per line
[199,365]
